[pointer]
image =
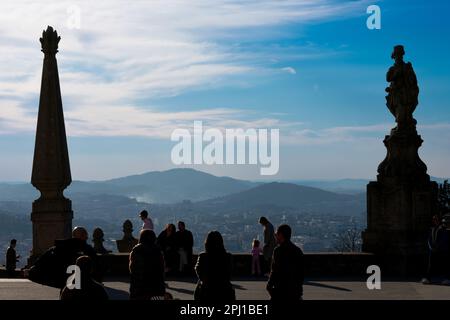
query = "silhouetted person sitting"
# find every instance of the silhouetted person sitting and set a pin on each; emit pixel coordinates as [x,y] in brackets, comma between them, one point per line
[90,290]
[50,268]
[438,245]
[11,259]
[213,269]
[167,241]
[287,271]
[147,268]
[185,242]
[147,222]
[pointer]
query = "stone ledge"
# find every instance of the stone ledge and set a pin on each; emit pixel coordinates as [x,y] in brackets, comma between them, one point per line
[316,264]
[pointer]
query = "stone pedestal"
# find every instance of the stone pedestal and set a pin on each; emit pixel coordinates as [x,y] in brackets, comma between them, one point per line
[402,201]
[400,205]
[52,219]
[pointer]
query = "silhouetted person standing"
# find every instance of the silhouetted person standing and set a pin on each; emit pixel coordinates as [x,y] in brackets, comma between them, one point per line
[147,222]
[287,271]
[90,290]
[147,268]
[167,241]
[213,269]
[11,258]
[438,250]
[185,243]
[256,252]
[446,247]
[269,240]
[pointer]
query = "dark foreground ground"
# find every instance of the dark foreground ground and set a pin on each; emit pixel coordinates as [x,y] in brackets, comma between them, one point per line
[251,289]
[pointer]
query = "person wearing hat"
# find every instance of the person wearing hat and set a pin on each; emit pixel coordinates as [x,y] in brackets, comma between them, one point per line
[148,223]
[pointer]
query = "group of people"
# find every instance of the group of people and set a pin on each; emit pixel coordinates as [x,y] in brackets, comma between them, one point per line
[155,257]
[176,246]
[149,260]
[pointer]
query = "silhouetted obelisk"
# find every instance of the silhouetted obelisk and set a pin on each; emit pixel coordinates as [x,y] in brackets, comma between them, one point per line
[52,212]
[401,202]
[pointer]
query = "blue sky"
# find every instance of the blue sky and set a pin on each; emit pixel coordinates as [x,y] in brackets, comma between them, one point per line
[131,74]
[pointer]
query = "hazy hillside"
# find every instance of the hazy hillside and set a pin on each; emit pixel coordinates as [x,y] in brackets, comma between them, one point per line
[177,185]
[346,186]
[169,186]
[14,224]
[288,195]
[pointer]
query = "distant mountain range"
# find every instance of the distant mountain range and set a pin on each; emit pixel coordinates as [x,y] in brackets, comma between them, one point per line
[115,198]
[169,186]
[292,196]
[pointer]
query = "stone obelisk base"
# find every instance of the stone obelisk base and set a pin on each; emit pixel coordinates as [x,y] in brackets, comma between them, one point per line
[52,219]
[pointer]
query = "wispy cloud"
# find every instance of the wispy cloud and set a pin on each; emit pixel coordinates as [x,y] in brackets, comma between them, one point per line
[139,51]
[351,134]
[289,70]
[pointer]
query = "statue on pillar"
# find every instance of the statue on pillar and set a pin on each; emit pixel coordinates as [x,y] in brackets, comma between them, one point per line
[402,161]
[401,202]
[403,92]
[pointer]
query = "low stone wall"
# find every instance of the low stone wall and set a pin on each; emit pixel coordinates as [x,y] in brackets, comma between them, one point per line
[321,264]
[316,264]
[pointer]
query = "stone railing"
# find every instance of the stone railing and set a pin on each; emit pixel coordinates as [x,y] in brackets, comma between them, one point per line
[316,264]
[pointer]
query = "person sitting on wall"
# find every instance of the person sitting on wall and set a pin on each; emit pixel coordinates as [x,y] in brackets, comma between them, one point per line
[147,222]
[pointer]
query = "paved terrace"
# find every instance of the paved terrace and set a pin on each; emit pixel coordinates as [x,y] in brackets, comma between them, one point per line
[314,289]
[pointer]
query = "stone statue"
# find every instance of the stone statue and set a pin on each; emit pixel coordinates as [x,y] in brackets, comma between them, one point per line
[403,92]
[127,243]
[97,239]
[402,161]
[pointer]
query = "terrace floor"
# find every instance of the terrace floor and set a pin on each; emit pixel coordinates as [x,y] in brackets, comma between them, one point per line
[250,289]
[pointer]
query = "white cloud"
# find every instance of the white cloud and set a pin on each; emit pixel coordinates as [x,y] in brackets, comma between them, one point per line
[141,50]
[289,70]
[296,135]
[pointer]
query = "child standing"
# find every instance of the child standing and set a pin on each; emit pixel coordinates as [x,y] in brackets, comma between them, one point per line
[256,252]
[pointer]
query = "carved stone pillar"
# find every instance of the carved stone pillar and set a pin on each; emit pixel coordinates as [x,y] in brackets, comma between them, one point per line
[52,212]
